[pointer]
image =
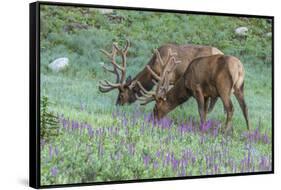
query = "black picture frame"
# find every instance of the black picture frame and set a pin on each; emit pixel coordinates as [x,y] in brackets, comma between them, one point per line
[34,92]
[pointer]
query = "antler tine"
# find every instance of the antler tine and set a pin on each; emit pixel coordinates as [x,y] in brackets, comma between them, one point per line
[112,56]
[124,60]
[170,65]
[144,90]
[115,45]
[173,65]
[127,46]
[153,73]
[163,85]
[154,82]
[125,49]
[146,95]
[109,84]
[145,101]
[105,89]
[106,86]
[171,53]
[108,69]
[159,57]
[109,55]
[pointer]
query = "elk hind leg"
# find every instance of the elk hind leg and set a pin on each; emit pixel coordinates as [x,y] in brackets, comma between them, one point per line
[239,94]
[212,104]
[228,107]
[229,112]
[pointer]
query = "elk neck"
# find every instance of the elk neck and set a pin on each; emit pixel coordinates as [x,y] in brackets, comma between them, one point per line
[178,94]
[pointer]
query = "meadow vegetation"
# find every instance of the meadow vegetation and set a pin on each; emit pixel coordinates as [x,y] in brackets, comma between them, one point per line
[98,141]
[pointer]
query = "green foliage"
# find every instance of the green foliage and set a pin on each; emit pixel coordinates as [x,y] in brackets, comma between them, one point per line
[48,121]
[146,31]
[79,33]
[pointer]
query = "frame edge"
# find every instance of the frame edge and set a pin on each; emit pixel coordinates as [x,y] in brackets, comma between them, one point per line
[34,139]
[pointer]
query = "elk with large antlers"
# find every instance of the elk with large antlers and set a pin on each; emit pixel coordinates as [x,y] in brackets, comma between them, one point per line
[129,91]
[206,78]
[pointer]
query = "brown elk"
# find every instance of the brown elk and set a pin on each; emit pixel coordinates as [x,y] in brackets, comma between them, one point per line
[128,90]
[206,78]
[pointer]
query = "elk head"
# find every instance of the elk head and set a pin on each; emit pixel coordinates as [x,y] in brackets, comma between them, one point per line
[162,83]
[121,83]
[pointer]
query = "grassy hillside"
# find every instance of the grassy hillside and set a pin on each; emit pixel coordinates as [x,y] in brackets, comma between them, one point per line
[98,141]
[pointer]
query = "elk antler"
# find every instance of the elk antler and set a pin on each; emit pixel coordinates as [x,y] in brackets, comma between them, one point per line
[105,85]
[162,81]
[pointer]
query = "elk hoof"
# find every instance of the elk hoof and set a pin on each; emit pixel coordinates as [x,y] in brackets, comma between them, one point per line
[228,131]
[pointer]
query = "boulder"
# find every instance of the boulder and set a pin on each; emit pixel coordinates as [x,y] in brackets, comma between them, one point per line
[241,31]
[59,64]
[269,34]
[105,11]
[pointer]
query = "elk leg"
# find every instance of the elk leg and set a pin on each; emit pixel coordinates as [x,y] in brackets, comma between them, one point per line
[200,101]
[229,112]
[206,104]
[228,107]
[212,104]
[239,94]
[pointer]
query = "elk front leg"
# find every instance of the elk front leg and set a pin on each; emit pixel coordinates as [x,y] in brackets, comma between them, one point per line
[201,105]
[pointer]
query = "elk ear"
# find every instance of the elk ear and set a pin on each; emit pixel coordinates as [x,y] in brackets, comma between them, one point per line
[129,79]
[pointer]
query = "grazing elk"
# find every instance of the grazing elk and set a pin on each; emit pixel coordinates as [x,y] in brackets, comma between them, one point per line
[128,90]
[206,78]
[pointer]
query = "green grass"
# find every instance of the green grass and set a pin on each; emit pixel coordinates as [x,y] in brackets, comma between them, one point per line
[74,156]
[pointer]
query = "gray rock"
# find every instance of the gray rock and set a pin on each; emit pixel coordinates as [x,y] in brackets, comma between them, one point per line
[59,64]
[241,31]
[105,11]
[269,34]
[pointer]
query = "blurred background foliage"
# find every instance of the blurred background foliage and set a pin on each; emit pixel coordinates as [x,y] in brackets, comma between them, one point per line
[79,33]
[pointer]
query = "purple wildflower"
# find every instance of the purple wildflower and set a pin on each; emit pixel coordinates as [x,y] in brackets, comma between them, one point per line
[265,139]
[124,121]
[50,152]
[146,160]
[182,172]
[216,170]
[193,159]
[206,126]
[56,151]
[168,158]
[131,149]
[263,163]
[54,171]
[90,131]
[155,164]
[158,153]
[175,164]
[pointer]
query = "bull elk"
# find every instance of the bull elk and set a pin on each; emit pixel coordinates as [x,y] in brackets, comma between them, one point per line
[206,78]
[128,90]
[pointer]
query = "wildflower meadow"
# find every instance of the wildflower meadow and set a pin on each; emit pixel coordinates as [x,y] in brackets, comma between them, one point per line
[94,140]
